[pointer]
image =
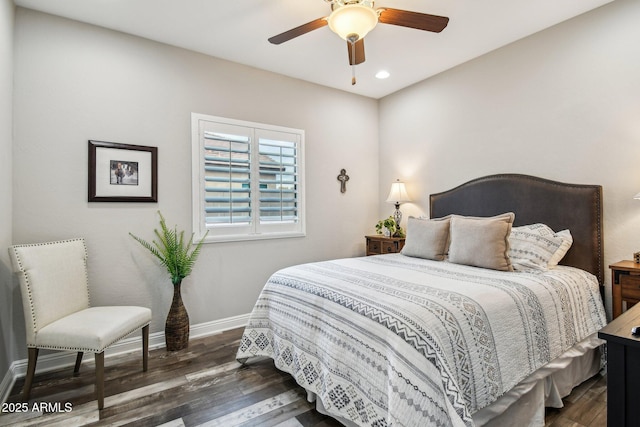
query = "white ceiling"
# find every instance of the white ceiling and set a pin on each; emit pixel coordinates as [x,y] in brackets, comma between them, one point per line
[237,30]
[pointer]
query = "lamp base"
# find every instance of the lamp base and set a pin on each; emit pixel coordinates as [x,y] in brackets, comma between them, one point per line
[397,215]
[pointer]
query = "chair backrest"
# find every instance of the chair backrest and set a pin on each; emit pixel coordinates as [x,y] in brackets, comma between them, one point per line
[53,281]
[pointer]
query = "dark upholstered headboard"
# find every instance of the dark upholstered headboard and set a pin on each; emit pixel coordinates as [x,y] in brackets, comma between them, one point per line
[559,205]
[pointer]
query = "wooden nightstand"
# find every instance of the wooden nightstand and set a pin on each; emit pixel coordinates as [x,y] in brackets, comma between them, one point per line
[625,285]
[378,244]
[623,368]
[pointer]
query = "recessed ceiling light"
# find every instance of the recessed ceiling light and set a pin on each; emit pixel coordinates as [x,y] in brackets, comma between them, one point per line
[383,74]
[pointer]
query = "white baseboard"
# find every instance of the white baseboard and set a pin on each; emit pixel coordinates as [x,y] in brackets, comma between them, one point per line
[59,359]
[7,383]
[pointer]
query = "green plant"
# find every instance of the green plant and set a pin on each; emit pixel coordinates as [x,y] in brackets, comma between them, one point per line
[172,251]
[389,224]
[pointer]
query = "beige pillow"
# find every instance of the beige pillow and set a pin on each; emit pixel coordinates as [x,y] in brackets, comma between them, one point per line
[426,238]
[481,242]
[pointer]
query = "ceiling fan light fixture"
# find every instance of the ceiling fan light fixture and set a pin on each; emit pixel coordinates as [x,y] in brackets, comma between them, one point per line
[352,19]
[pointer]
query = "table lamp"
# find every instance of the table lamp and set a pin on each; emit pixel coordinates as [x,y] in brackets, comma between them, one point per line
[398,194]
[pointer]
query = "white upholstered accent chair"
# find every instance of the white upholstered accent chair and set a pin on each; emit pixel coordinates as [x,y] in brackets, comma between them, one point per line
[55,294]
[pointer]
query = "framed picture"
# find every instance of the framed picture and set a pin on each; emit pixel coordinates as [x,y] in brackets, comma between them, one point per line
[122,172]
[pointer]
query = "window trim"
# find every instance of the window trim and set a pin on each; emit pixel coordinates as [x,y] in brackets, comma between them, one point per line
[254,231]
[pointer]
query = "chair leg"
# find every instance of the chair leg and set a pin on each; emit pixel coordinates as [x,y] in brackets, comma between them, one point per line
[31,370]
[145,348]
[76,369]
[100,379]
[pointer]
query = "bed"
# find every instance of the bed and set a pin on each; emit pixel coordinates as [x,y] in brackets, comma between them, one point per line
[435,335]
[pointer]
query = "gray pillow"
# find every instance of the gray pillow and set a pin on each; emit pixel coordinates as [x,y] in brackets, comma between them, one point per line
[481,242]
[427,238]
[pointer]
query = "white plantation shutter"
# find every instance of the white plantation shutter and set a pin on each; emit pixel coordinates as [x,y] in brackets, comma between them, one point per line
[278,180]
[227,175]
[247,179]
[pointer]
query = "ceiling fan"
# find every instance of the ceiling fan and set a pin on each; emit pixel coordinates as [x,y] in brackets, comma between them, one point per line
[353,19]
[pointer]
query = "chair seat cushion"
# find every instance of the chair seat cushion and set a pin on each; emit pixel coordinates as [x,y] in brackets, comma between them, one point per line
[92,329]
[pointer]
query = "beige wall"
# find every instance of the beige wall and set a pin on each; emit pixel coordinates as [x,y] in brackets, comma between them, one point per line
[6,118]
[563,104]
[76,82]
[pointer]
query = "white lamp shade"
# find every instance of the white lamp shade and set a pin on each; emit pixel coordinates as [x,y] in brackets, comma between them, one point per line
[398,193]
[637,196]
[353,19]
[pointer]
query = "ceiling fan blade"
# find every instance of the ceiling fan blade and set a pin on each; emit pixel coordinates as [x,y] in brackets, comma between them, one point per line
[356,52]
[298,31]
[419,21]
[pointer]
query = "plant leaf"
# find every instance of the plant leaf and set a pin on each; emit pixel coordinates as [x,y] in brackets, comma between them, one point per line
[172,251]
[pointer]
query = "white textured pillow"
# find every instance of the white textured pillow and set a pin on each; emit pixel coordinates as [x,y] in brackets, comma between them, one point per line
[426,238]
[537,247]
[567,241]
[481,242]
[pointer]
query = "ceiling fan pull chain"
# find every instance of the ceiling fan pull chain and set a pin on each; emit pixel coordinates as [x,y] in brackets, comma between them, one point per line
[353,66]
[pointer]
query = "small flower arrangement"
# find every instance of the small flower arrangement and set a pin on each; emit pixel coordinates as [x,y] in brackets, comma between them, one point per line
[389,228]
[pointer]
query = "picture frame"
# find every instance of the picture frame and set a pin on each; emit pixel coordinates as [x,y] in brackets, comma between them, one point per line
[122,172]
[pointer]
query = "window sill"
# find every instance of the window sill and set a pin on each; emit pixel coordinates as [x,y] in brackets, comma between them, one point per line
[250,237]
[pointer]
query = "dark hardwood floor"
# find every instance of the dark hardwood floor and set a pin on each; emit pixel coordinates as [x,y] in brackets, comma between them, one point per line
[204,385]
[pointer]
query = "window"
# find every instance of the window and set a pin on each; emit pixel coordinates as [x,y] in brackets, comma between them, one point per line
[248,179]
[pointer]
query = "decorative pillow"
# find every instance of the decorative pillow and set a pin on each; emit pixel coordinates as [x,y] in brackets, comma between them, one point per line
[537,247]
[567,241]
[481,242]
[426,238]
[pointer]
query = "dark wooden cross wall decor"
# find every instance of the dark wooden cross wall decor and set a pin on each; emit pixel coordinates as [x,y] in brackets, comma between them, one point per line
[343,178]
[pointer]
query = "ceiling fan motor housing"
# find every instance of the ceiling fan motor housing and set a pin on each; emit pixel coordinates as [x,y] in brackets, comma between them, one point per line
[335,4]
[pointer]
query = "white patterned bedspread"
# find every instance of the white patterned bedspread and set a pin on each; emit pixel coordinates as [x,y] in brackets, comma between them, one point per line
[394,340]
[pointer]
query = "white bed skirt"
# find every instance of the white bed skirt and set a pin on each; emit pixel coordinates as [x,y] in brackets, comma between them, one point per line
[524,404]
